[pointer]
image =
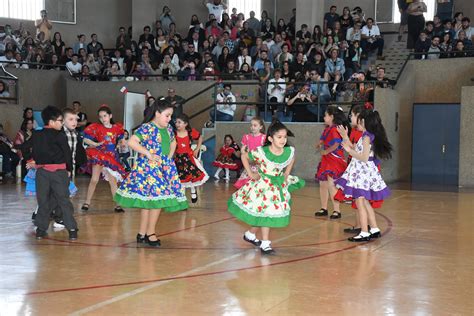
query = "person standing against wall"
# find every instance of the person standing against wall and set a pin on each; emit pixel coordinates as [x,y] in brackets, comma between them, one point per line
[416,21]
[402,6]
[44,25]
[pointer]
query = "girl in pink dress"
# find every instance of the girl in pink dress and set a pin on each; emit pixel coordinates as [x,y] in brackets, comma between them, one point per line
[252,141]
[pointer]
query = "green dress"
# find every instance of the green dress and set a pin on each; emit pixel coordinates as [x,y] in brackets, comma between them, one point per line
[266,202]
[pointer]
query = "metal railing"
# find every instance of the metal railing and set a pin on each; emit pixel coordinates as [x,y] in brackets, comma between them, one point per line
[271,109]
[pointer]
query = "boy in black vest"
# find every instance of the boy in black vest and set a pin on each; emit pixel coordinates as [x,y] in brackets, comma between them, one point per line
[53,160]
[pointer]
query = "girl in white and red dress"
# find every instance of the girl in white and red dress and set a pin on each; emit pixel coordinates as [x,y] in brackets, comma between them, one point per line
[252,141]
[190,170]
[102,156]
[228,158]
[333,162]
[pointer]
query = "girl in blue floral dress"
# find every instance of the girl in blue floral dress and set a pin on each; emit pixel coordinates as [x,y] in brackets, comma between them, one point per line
[153,184]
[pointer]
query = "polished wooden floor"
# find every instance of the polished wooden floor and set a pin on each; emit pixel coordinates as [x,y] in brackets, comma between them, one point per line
[423,265]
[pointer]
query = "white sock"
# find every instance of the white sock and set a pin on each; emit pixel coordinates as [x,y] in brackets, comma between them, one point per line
[374,230]
[217,172]
[250,235]
[364,234]
[266,244]
[227,173]
[193,190]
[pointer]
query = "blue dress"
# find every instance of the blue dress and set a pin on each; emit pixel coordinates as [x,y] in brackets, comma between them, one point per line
[153,185]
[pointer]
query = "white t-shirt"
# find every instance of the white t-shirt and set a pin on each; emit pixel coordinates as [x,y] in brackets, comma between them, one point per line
[225,104]
[374,31]
[217,10]
[75,69]
[276,89]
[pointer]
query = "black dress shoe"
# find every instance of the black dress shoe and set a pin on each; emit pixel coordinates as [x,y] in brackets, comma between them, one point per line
[85,207]
[141,239]
[118,209]
[376,235]
[359,238]
[254,242]
[40,234]
[152,243]
[335,215]
[73,234]
[321,212]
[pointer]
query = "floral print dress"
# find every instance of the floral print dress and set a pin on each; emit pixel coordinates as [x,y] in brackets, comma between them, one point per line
[362,179]
[150,184]
[266,202]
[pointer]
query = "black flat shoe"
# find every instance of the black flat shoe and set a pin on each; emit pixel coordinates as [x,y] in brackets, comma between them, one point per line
[254,242]
[118,209]
[321,212]
[376,235]
[335,215]
[85,207]
[141,239]
[73,234]
[152,243]
[267,251]
[359,238]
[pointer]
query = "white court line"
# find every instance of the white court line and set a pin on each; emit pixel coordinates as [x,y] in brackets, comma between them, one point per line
[160,283]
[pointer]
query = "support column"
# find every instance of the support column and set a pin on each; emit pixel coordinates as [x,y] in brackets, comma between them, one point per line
[310,12]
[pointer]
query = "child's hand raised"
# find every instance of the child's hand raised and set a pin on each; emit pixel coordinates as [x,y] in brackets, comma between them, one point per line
[343,131]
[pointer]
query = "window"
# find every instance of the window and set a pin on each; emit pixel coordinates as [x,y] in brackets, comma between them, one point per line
[245,6]
[430,4]
[60,11]
[21,9]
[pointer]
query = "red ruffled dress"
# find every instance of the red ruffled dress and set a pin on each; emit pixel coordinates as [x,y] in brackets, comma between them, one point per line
[106,154]
[333,164]
[227,159]
[190,170]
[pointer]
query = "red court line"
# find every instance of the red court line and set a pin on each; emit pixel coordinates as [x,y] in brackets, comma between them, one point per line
[124,245]
[389,222]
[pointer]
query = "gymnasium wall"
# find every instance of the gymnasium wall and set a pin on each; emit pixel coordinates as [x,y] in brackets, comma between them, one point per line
[423,81]
[466,155]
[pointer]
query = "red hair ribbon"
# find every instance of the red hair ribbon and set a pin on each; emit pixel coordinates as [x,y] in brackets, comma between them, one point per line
[368,106]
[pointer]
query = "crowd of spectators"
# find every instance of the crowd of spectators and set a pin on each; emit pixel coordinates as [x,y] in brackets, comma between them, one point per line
[233,47]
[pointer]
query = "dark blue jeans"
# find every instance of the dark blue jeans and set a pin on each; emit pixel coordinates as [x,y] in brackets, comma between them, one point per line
[219,116]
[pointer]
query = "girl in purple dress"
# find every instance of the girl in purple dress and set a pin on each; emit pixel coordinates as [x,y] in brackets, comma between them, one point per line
[362,181]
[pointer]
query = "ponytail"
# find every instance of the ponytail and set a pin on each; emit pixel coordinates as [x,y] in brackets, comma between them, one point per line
[373,124]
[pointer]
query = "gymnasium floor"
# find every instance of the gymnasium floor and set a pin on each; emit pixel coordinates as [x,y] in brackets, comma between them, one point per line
[423,265]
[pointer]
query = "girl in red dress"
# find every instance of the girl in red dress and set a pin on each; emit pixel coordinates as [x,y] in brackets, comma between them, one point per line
[190,170]
[228,158]
[102,156]
[333,163]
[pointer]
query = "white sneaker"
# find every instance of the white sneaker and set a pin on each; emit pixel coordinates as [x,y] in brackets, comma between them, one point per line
[59,224]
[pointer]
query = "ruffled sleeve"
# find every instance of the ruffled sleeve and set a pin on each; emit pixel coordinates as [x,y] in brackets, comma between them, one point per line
[334,137]
[91,132]
[195,134]
[245,140]
[120,131]
[142,132]
[370,135]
